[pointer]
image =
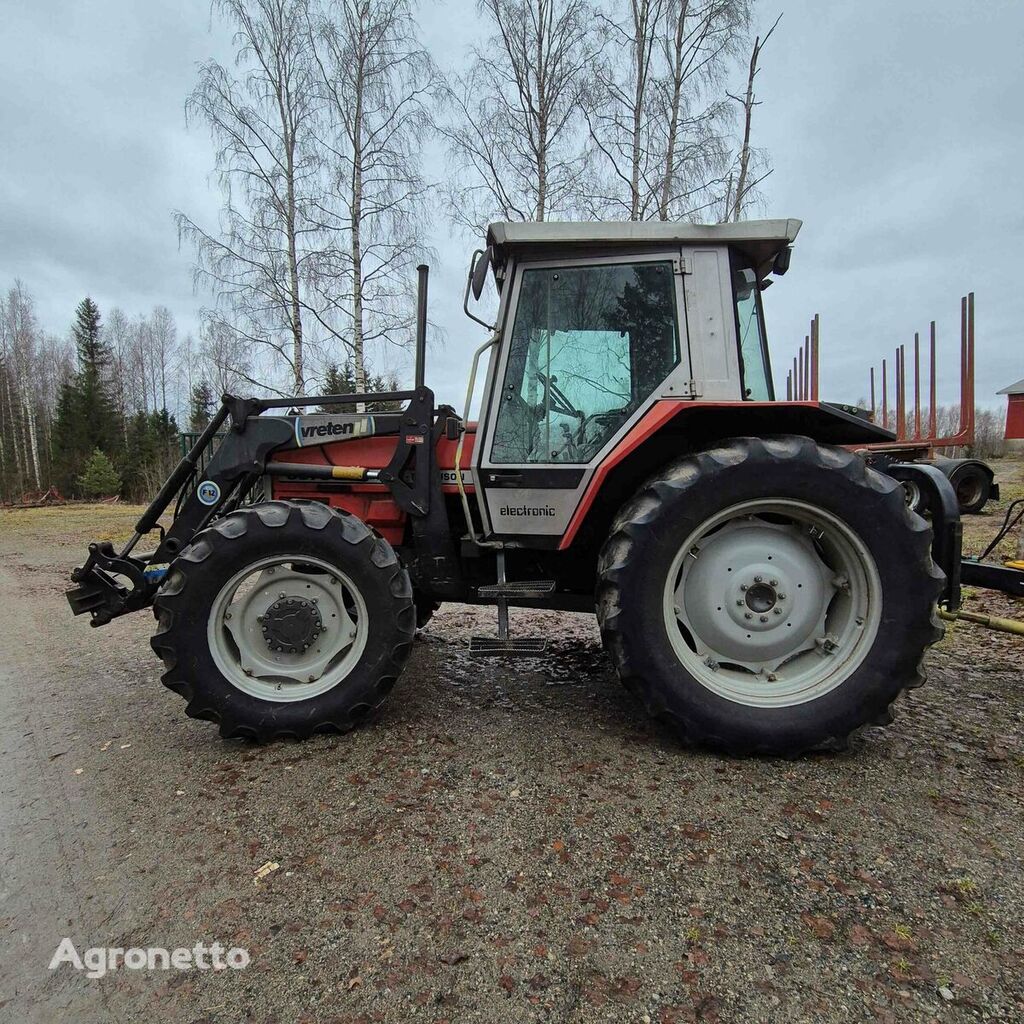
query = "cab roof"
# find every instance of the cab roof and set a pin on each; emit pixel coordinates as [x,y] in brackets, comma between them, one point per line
[759,240]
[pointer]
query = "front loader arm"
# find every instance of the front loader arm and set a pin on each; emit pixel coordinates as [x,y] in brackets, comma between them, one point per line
[240,458]
[111,583]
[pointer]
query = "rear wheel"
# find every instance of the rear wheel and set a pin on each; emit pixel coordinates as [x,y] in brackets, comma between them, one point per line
[284,619]
[972,486]
[768,595]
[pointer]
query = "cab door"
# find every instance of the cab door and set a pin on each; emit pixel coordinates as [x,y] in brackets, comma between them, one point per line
[589,346]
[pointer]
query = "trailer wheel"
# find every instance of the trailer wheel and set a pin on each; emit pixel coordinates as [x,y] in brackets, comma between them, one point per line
[972,485]
[284,619]
[769,595]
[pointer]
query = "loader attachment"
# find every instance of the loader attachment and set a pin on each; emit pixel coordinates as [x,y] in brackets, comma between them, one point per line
[232,476]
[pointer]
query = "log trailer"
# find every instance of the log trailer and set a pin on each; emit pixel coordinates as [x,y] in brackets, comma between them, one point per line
[759,580]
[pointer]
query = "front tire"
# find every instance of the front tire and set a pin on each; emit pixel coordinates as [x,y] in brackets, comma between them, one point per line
[768,595]
[284,619]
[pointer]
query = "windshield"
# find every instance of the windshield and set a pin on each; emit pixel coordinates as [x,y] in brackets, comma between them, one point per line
[753,345]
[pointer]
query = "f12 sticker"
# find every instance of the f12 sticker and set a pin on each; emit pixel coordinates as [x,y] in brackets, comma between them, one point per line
[208,492]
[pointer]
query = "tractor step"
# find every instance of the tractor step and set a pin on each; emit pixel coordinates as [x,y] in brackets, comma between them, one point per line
[517,589]
[494,646]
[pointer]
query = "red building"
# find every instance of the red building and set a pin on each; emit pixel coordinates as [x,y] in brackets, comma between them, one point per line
[1014,416]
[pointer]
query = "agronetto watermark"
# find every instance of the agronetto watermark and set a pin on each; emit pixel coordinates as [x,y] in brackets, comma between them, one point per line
[98,961]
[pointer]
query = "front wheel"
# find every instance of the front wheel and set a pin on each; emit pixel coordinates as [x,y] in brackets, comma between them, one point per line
[768,596]
[284,619]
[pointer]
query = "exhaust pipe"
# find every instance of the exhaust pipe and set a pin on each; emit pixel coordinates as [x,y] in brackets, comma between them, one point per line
[421,323]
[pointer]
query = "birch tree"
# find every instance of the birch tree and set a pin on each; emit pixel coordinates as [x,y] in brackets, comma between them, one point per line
[655,114]
[18,343]
[748,157]
[513,128]
[700,39]
[262,120]
[375,81]
[163,346]
[620,113]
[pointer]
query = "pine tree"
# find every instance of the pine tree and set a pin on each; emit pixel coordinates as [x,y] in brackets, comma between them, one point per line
[68,449]
[86,417]
[387,382]
[99,479]
[339,380]
[201,406]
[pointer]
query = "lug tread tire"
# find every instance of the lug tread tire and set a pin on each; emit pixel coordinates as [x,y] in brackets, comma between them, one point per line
[624,564]
[189,585]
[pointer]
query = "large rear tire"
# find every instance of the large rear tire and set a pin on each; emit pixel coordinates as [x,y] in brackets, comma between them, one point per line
[284,619]
[769,595]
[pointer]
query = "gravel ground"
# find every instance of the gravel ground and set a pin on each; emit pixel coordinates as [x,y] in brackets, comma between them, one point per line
[505,842]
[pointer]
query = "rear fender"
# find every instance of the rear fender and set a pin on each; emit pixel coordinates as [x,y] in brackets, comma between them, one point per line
[672,428]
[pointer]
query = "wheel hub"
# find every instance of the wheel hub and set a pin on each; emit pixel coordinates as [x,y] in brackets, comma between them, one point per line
[274,624]
[291,624]
[762,597]
[754,593]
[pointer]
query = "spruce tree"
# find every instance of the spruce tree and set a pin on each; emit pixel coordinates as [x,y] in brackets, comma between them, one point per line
[94,361]
[86,416]
[68,450]
[201,402]
[339,380]
[99,478]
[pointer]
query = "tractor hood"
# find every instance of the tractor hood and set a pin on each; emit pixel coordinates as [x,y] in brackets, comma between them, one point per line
[759,240]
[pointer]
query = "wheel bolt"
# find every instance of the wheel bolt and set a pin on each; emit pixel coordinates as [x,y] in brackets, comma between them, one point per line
[739,601]
[781,597]
[743,586]
[778,611]
[310,679]
[764,618]
[227,615]
[774,583]
[747,615]
[759,579]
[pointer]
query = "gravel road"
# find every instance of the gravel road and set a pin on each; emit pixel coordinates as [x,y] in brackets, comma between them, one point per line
[506,842]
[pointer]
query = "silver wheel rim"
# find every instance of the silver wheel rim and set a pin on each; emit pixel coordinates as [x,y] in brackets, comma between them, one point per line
[912,494]
[244,655]
[772,603]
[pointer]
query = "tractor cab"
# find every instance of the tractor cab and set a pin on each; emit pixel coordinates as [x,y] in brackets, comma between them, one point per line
[597,325]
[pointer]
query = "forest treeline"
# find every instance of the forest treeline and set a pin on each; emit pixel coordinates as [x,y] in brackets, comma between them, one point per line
[101,411]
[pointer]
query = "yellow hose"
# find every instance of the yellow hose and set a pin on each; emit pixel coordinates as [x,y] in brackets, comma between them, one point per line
[990,621]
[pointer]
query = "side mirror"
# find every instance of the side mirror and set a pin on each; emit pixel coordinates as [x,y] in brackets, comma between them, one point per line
[478,274]
[782,259]
[745,282]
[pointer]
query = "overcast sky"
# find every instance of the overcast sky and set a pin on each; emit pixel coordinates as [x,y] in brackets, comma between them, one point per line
[894,129]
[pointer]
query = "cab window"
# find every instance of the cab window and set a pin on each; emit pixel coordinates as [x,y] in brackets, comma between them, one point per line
[754,367]
[588,346]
